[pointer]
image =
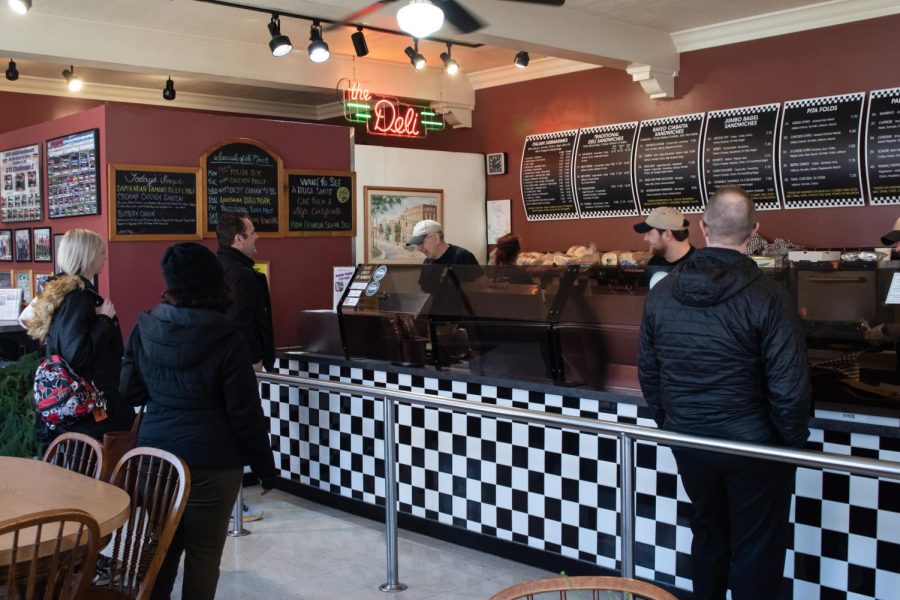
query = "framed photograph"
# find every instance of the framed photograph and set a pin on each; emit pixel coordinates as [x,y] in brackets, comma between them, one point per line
[20,192]
[25,282]
[43,244]
[23,245]
[496,163]
[391,214]
[6,280]
[39,280]
[73,175]
[6,245]
[57,238]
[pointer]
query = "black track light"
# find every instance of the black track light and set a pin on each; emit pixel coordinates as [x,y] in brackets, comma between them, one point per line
[415,59]
[20,6]
[359,42]
[522,59]
[279,44]
[318,49]
[169,91]
[12,73]
[73,81]
[450,65]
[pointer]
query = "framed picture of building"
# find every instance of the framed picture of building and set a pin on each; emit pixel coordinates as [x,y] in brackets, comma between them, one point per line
[390,215]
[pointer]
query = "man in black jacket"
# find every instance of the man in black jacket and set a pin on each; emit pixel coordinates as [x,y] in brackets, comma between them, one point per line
[722,355]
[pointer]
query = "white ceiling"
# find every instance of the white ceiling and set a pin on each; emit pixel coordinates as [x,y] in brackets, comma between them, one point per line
[219,57]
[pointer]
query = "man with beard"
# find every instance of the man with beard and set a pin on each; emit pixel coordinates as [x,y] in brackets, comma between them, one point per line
[666,232]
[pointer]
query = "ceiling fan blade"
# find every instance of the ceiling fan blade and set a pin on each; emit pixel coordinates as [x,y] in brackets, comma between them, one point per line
[547,2]
[458,16]
[356,16]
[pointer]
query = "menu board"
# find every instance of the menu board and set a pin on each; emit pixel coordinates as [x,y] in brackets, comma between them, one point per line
[244,177]
[321,203]
[153,203]
[73,173]
[667,170]
[739,149]
[20,196]
[820,140]
[603,171]
[547,176]
[883,147]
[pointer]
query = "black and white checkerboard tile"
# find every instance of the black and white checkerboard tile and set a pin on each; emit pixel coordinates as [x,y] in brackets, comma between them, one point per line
[555,490]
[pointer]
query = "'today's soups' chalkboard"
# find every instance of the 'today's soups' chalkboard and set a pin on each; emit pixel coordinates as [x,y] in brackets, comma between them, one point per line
[154,203]
[243,176]
[321,203]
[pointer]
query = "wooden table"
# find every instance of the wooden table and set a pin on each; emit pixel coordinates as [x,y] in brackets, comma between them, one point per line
[28,486]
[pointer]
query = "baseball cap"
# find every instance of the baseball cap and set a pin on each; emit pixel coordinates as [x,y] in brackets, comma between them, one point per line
[422,230]
[664,217]
[892,236]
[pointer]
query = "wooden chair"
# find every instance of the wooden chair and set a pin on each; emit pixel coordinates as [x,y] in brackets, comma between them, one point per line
[563,585]
[52,555]
[158,483]
[77,452]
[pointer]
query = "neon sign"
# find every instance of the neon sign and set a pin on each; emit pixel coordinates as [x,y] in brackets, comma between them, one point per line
[387,115]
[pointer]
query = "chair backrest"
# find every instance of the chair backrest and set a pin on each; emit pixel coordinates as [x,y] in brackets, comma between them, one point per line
[76,452]
[158,483]
[52,555]
[563,585]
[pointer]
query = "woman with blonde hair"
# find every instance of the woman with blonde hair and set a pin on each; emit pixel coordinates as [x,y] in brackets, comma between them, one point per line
[71,319]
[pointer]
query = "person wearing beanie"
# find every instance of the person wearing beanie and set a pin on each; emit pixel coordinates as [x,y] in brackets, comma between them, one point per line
[191,366]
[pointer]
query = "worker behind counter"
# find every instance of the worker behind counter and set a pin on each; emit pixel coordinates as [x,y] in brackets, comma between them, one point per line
[885,333]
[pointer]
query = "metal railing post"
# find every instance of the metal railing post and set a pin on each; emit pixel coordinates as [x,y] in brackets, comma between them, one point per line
[626,495]
[390,500]
[237,516]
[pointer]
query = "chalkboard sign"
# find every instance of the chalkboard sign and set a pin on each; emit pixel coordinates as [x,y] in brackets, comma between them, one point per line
[883,147]
[666,162]
[243,176]
[321,203]
[603,171]
[547,176]
[154,203]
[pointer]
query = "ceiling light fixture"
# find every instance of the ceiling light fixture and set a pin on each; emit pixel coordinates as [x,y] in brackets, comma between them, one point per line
[318,49]
[522,59]
[415,59]
[279,44]
[450,65]
[73,81]
[20,6]
[420,18]
[169,91]
[12,73]
[359,42]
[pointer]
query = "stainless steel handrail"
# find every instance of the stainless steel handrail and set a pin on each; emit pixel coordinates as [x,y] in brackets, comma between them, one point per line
[625,433]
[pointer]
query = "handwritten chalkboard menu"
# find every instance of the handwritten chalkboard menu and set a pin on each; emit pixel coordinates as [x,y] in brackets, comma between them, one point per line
[547,176]
[666,163]
[244,177]
[154,203]
[820,152]
[603,171]
[321,203]
[739,149]
[883,147]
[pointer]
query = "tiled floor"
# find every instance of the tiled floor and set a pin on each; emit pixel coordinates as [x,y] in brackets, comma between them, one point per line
[307,551]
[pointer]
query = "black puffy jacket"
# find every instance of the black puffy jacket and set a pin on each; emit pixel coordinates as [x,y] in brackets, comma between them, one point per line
[722,353]
[191,368]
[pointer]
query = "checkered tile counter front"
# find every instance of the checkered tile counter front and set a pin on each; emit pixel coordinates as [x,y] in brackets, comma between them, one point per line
[555,490]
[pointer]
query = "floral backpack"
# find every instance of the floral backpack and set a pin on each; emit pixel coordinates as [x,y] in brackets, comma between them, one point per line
[61,396]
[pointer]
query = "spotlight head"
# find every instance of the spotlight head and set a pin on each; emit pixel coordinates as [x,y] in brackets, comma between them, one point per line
[169,91]
[415,59]
[318,49]
[20,6]
[359,42]
[12,73]
[420,18]
[279,44]
[73,81]
[450,65]
[522,59]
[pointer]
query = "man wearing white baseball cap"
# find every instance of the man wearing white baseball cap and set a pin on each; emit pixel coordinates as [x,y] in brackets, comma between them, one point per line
[666,232]
[428,238]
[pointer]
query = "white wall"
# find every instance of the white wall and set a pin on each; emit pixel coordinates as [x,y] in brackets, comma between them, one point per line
[461,176]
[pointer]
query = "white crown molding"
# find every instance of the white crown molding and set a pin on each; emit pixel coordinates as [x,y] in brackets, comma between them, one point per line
[542,67]
[783,22]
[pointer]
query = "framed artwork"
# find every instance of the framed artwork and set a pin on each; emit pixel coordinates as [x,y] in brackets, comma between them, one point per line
[495,163]
[57,238]
[20,193]
[6,245]
[39,280]
[73,175]
[43,244]
[25,282]
[390,215]
[6,280]
[23,245]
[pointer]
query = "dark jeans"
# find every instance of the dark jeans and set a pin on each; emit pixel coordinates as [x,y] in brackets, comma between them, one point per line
[740,524]
[201,535]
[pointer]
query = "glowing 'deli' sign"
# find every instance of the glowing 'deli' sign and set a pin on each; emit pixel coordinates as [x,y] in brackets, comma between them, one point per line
[386,115]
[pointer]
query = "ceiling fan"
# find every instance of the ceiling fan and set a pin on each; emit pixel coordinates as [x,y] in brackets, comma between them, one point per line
[455,13]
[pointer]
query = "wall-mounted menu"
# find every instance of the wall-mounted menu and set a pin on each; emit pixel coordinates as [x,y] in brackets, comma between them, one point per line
[321,203]
[73,173]
[739,149]
[603,171]
[820,151]
[20,197]
[244,177]
[667,170]
[547,176]
[154,203]
[883,147]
